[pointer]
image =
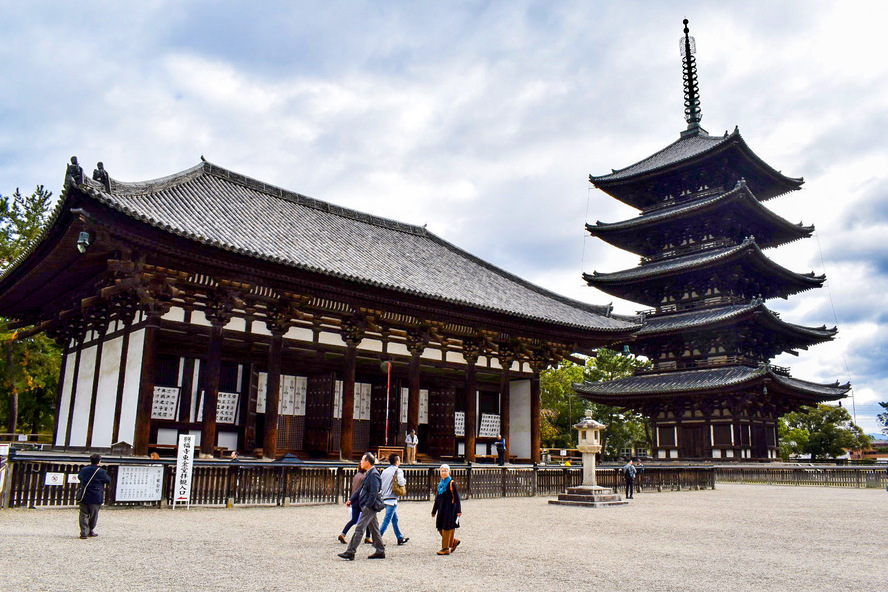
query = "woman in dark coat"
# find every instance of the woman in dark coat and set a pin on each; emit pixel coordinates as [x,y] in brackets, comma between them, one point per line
[448,510]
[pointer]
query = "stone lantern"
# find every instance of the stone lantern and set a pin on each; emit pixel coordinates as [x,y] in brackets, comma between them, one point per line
[589,445]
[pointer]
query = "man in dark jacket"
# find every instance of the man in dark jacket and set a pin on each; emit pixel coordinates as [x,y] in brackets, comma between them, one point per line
[94,479]
[366,498]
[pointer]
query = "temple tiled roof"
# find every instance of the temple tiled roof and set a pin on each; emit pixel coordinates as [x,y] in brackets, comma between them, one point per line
[681,150]
[624,283]
[217,207]
[668,384]
[631,234]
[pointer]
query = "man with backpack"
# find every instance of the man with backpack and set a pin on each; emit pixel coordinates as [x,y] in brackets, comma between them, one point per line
[629,476]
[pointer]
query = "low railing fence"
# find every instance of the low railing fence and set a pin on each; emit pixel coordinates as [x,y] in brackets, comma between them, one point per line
[869,477]
[39,481]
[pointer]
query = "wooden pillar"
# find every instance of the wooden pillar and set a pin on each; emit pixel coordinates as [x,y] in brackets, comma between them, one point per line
[146,384]
[505,386]
[470,353]
[535,414]
[100,326]
[413,395]
[126,312]
[273,393]
[210,385]
[78,337]
[347,430]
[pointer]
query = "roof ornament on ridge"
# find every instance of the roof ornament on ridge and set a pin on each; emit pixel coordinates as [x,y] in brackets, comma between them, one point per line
[693,114]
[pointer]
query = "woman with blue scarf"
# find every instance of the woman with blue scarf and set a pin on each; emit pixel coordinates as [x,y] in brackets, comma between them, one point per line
[448,510]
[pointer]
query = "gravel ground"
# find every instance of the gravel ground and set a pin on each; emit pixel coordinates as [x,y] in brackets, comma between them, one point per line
[738,537]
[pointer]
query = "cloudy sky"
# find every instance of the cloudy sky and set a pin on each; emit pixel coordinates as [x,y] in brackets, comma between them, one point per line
[482,120]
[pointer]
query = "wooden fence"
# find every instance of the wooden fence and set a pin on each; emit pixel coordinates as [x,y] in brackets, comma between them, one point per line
[828,476]
[256,483]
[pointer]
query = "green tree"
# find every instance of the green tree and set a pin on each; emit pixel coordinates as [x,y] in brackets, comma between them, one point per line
[824,431]
[29,367]
[561,407]
[883,417]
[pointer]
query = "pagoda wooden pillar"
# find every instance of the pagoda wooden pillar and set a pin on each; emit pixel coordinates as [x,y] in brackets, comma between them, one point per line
[470,353]
[146,383]
[79,335]
[273,392]
[417,341]
[210,384]
[99,323]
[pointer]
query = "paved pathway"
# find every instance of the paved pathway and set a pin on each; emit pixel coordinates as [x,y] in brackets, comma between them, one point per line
[738,537]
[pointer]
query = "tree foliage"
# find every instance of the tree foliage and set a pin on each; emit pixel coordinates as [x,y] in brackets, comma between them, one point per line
[824,431]
[29,368]
[883,417]
[561,407]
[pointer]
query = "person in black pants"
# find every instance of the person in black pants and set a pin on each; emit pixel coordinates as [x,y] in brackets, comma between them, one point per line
[500,444]
[629,476]
[94,479]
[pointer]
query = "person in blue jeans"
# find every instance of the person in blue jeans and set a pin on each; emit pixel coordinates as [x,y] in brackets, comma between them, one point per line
[389,475]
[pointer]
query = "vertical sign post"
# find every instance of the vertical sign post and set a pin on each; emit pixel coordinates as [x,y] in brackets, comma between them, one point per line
[184,469]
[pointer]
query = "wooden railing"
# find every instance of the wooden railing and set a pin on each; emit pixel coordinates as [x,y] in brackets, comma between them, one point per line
[256,483]
[822,476]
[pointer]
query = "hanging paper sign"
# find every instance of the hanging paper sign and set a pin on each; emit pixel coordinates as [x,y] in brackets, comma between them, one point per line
[405,399]
[423,406]
[490,426]
[165,404]
[261,392]
[184,470]
[301,395]
[459,423]
[226,407]
[366,390]
[142,483]
[337,399]
[288,395]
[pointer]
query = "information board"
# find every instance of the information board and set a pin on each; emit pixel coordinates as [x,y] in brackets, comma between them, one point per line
[226,407]
[405,399]
[490,426]
[459,423]
[423,406]
[184,469]
[166,402]
[139,483]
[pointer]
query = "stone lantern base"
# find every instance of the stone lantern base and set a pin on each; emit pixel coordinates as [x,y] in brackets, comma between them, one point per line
[591,496]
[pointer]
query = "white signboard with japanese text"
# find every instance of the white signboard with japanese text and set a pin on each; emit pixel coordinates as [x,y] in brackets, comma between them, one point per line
[423,406]
[301,395]
[184,470]
[490,426]
[139,483]
[405,399]
[226,407]
[459,423]
[363,408]
[261,392]
[337,399]
[288,395]
[166,402]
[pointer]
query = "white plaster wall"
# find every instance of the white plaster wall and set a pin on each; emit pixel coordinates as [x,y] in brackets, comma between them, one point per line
[455,357]
[495,364]
[329,338]
[65,402]
[83,397]
[398,349]
[300,334]
[480,448]
[519,418]
[106,397]
[175,314]
[130,402]
[370,345]
[199,318]
[237,324]
[428,353]
[260,328]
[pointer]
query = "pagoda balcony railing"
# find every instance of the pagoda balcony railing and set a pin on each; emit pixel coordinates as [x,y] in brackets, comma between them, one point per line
[687,196]
[708,302]
[688,250]
[781,370]
[716,362]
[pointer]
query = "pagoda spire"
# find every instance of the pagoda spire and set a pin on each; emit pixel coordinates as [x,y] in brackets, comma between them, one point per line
[693,114]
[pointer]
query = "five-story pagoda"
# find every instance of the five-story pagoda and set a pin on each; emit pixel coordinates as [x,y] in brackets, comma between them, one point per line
[711,393]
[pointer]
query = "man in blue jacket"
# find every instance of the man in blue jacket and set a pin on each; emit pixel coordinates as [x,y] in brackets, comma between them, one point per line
[368,500]
[94,479]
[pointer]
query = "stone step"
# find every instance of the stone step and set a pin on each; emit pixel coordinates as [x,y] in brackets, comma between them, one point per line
[573,497]
[590,490]
[589,504]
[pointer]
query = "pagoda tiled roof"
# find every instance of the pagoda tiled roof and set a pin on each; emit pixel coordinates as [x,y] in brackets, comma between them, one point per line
[625,283]
[630,234]
[214,206]
[709,317]
[668,384]
[627,184]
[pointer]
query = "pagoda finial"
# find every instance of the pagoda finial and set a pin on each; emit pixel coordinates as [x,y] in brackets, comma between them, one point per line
[693,115]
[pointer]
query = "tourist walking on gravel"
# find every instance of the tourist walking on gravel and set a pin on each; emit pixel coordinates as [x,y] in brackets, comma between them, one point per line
[391,476]
[355,509]
[367,498]
[448,509]
[93,478]
[629,476]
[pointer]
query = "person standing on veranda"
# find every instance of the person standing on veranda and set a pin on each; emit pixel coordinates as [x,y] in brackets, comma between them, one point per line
[500,444]
[412,441]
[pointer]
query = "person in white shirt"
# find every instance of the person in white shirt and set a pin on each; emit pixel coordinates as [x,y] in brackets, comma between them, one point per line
[391,474]
[412,441]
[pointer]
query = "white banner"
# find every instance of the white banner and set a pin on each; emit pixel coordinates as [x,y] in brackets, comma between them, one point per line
[184,470]
[423,406]
[405,399]
[459,423]
[166,402]
[490,426]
